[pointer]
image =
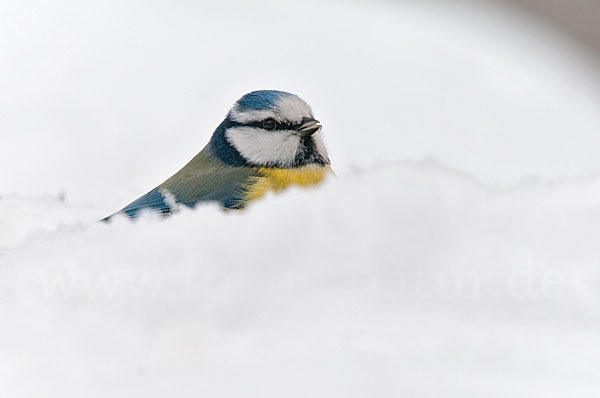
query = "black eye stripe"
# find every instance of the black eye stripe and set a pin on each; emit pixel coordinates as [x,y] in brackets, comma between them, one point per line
[260,125]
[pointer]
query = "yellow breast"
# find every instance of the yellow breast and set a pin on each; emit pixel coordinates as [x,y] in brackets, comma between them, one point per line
[274,179]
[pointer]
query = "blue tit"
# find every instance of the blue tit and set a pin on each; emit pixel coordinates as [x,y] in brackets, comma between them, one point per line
[269,141]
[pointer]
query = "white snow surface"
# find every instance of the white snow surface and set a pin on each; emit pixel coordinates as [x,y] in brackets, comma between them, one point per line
[457,277]
[407,280]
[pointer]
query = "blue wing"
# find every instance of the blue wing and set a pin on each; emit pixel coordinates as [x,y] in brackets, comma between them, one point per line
[153,200]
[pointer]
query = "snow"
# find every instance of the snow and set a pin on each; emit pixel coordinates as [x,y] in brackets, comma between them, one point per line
[457,289]
[458,277]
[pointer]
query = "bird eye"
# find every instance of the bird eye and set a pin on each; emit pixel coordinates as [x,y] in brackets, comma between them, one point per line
[269,124]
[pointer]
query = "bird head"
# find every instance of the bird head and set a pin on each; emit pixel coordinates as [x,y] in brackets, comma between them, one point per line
[270,128]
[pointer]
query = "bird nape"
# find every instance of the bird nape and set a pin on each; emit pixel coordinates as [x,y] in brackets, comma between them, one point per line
[269,141]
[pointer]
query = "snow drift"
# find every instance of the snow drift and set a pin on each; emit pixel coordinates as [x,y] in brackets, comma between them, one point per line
[409,279]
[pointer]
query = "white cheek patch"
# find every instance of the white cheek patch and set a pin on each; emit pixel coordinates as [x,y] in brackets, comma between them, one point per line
[264,147]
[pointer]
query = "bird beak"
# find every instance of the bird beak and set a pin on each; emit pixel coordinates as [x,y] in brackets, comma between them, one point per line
[308,127]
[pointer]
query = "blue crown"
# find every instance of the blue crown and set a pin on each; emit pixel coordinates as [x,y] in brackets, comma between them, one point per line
[262,99]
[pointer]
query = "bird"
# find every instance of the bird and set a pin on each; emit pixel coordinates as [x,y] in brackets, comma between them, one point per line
[268,141]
